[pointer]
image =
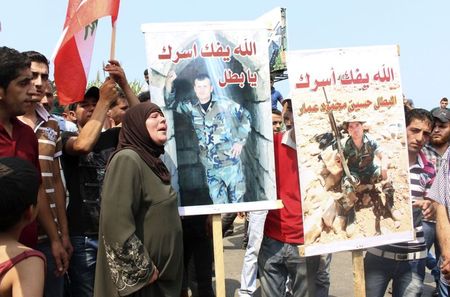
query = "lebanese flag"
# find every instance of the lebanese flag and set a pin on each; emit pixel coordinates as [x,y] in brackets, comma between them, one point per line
[73,53]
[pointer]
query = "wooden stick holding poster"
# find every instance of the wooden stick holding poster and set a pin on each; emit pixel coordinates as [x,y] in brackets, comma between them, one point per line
[218,255]
[359,282]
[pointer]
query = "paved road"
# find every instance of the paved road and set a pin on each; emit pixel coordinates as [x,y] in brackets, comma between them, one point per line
[341,269]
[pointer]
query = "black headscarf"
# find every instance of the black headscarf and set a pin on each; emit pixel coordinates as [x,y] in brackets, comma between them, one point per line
[134,136]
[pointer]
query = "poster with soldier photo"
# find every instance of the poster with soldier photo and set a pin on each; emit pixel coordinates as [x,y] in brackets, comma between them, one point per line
[212,81]
[351,146]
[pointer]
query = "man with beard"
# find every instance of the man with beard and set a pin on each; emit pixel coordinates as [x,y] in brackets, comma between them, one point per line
[442,105]
[435,152]
[440,137]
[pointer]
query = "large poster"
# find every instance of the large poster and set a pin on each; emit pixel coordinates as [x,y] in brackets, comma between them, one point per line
[351,145]
[213,81]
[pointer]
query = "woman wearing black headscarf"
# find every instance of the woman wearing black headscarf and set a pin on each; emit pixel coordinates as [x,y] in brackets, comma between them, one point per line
[140,240]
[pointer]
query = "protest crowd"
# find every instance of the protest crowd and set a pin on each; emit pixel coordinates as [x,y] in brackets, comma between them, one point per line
[89,205]
[112,240]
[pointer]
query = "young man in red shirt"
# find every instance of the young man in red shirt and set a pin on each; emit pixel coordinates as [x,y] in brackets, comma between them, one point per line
[16,138]
[279,256]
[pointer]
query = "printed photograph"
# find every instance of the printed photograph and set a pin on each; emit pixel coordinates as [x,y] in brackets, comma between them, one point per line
[353,160]
[212,79]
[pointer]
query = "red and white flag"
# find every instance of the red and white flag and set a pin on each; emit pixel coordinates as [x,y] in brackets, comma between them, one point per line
[73,53]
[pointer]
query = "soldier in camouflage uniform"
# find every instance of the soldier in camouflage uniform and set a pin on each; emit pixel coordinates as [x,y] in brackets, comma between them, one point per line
[360,151]
[222,127]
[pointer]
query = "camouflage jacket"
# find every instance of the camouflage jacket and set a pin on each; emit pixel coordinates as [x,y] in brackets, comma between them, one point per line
[218,128]
[360,161]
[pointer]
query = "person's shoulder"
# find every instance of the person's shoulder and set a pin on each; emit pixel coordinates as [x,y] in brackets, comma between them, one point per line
[347,140]
[370,138]
[110,135]
[21,126]
[31,269]
[128,153]
[18,253]
[222,99]
[127,157]
[428,166]
[112,131]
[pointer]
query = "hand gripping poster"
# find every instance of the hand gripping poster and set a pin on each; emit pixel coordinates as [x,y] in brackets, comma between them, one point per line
[212,81]
[351,145]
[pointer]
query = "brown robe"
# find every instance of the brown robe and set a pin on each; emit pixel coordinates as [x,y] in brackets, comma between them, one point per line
[139,228]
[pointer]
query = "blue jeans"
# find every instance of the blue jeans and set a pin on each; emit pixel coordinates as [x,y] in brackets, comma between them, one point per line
[407,276]
[250,267]
[54,286]
[429,230]
[323,276]
[82,266]
[278,260]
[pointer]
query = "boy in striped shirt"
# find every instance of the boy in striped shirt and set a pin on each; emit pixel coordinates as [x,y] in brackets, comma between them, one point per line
[53,236]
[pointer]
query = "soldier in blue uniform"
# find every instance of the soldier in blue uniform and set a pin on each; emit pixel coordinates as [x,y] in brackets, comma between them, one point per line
[222,127]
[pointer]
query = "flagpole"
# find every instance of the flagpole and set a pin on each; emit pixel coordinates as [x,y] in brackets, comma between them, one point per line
[113,42]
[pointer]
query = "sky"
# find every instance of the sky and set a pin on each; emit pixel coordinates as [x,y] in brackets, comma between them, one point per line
[420,28]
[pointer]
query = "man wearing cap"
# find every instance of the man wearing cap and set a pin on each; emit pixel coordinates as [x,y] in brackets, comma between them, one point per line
[440,137]
[360,151]
[85,155]
[436,151]
[442,105]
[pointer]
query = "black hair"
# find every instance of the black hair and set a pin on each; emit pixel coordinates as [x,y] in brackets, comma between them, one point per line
[276,111]
[37,57]
[92,93]
[444,99]
[202,76]
[12,63]
[121,97]
[144,96]
[19,183]
[146,72]
[418,114]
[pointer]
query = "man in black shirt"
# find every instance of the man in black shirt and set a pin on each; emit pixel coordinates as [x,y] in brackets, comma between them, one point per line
[85,156]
